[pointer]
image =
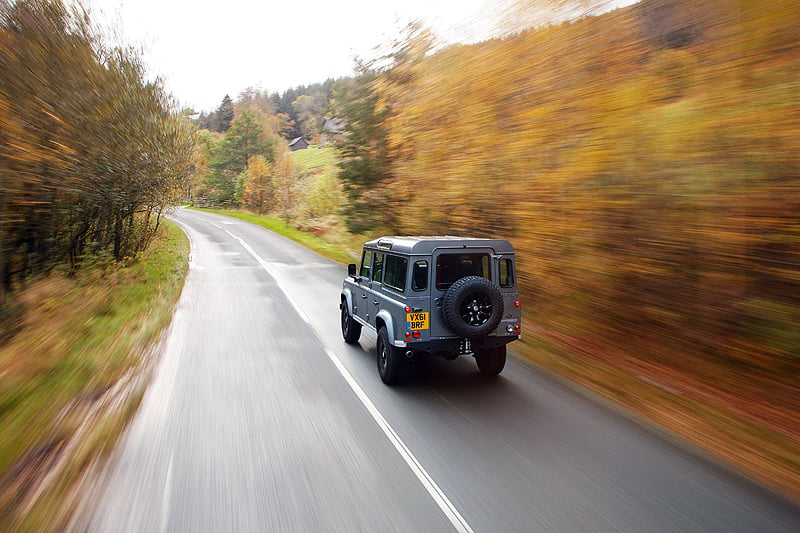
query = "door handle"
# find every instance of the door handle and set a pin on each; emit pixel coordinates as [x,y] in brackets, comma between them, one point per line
[364,296]
[375,302]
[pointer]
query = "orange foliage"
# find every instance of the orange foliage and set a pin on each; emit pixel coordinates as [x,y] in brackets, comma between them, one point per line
[644,163]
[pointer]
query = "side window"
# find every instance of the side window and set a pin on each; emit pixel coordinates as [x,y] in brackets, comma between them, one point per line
[377,267]
[395,272]
[506,273]
[366,259]
[419,277]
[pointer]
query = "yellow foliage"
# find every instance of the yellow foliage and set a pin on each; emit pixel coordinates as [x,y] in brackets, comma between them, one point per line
[646,168]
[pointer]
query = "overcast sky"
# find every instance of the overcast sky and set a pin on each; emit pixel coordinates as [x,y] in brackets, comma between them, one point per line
[204,49]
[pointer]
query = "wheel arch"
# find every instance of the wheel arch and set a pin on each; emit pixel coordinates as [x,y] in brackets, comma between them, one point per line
[384,319]
[347,299]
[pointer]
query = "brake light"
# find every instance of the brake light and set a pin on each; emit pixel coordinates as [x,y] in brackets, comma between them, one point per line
[518,304]
[517,329]
[408,334]
[408,309]
[416,334]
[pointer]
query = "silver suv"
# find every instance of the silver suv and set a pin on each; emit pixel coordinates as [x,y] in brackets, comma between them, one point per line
[445,296]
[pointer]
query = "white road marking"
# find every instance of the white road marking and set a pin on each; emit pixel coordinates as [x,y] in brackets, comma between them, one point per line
[427,481]
[165,503]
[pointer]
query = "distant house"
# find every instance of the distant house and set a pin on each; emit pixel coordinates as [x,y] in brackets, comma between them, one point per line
[298,144]
[332,131]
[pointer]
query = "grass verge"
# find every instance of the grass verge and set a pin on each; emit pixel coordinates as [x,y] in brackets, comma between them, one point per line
[73,374]
[318,244]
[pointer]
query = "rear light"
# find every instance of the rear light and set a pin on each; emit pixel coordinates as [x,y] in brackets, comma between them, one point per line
[518,304]
[408,309]
[408,334]
[517,329]
[416,334]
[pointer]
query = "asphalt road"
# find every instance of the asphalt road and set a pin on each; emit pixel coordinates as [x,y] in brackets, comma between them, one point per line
[260,418]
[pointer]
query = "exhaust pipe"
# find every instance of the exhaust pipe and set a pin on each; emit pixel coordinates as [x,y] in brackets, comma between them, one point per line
[409,354]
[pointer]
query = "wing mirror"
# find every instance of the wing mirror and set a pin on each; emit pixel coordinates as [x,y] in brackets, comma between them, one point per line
[351,270]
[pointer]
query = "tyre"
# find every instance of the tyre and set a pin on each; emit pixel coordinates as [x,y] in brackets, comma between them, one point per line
[351,330]
[390,360]
[491,360]
[472,307]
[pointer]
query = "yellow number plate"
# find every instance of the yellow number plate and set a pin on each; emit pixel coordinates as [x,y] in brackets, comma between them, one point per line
[416,321]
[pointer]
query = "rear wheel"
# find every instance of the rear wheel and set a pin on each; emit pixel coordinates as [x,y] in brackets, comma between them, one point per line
[491,360]
[351,330]
[390,360]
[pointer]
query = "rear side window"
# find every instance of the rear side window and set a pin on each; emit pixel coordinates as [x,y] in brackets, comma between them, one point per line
[366,259]
[377,267]
[419,277]
[506,273]
[395,272]
[452,267]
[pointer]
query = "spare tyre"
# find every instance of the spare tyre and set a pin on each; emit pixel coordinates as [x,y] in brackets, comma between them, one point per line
[472,307]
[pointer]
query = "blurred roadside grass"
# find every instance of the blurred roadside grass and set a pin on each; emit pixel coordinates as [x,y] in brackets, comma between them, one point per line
[74,371]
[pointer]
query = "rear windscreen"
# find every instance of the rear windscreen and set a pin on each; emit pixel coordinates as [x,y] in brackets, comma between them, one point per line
[452,267]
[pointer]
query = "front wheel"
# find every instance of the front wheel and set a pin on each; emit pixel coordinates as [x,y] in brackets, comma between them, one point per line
[390,360]
[351,330]
[491,360]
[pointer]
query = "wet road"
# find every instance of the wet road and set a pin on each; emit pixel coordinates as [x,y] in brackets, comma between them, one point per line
[260,418]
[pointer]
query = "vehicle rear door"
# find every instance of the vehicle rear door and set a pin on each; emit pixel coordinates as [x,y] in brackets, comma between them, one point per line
[450,265]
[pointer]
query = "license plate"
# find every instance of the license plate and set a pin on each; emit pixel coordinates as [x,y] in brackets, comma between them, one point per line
[416,321]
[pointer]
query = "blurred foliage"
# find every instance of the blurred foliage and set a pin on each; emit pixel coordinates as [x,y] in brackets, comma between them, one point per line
[644,162]
[86,143]
[69,382]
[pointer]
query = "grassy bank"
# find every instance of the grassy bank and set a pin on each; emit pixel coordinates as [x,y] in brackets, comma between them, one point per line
[338,251]
[72,374]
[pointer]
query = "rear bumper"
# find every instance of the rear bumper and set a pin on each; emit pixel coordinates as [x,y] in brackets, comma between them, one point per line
[458,345]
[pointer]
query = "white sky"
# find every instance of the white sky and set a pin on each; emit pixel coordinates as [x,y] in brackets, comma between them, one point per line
[204,50]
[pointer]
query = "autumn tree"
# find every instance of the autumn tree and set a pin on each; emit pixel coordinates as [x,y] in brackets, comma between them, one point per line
[258,193]
[88,148]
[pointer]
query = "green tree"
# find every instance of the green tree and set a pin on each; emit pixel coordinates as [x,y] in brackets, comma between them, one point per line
[225,115]
[365,165]
[250,134]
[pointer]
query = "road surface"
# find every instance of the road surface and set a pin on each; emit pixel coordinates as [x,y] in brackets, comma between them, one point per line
[260,418]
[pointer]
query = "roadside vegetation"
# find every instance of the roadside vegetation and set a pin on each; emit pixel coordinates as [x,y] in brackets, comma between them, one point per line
[643,161]
[75,371]
[91,154]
